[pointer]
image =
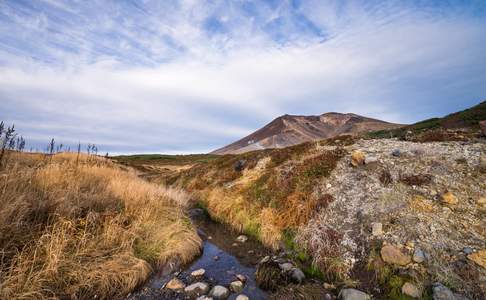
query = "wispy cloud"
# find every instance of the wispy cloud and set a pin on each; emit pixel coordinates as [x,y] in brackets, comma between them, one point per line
[193,75]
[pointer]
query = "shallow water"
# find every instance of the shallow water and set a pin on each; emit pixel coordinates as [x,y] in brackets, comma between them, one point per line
[232,258]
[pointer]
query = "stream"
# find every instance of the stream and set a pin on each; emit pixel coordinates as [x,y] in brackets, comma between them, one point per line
[222,258]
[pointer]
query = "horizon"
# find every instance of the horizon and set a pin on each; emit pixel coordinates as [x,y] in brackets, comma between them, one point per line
[190,77]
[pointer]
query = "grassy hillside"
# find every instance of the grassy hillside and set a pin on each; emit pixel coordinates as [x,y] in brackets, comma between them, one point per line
[468,119]
[84,229]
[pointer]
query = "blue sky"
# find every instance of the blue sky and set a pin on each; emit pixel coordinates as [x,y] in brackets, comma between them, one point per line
[192,76]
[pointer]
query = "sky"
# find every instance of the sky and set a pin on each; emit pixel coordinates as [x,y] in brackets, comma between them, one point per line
[191,76]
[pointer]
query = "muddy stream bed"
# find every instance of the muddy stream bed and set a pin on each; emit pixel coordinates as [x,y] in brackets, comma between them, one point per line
[222,258]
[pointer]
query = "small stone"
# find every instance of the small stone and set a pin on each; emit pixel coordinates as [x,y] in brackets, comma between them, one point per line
[441,292]
[370,160]
[286,267]
[204,298]
[393,255]
[449,199]
[196,289]
[327,296]
[242,238]
[433,193]
[357,158]
[241,277]
[479,258]
[396,152]
[175,284]
[242,297]
[418,256]
[411,290]
[353,294]
[265,259]
[199,272]
[236,286]
[328,185]
[297,275]
[216,257]
[376,229]
[219,292]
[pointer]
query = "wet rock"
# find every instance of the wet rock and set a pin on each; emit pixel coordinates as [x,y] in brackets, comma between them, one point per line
[242,238]
[376,229]
[468,250]
[393,255]
[216,257]
[353,294]
[441,292]
[196,289]
[396,152]
[357,158]
[175,284]
[242,297]
[219,292]
[479,258]
[411,290]
[449,199]
[418,256]
[286,267]
[241,277]
[197,273]
[236,286]
[297,275]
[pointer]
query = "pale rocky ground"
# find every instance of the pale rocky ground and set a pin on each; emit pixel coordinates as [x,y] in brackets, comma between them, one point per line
[414,218]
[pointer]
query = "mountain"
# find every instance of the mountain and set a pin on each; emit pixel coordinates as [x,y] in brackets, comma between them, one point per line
[288,130]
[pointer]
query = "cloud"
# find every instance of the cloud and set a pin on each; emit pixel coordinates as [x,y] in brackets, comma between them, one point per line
[191,76]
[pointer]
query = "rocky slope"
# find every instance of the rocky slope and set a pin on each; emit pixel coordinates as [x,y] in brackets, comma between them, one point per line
[290,130]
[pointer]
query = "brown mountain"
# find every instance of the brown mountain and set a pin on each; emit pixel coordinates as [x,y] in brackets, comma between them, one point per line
[288,130]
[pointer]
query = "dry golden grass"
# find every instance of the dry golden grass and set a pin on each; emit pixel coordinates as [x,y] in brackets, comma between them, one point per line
[84,229]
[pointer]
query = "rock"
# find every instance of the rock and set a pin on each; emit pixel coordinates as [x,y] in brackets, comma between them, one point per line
[297,275]
[197,273]
[393,255]
[327,296]
[242,238]
[396,152]
[242,297]
[265,259]
[418,256]
[196,289]
[411,290]
[370,160]
[479,258]
[204,298]
[175,284]
[441,292]
[449,199]
[241,277]
[219,292]
[353,294]
[376,229]
[236,286]
[468,250]
[286,266]
[216,257]
[357,158]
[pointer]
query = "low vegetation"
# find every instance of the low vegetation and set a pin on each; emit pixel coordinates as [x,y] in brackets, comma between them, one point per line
[77,226]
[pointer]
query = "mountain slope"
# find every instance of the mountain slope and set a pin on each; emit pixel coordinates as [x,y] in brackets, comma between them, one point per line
[288,130]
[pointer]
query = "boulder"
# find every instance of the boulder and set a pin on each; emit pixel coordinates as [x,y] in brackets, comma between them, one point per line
[441,292]
[357,158]
[418,256]
[242,238]
[219,292]
[393,255]
[449,198]
[196,289]
[297,275]
[479,258]
[242,297]
[353,294]
[198,272]
[411,290]
[175,284]
[376,229]
[236,286]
